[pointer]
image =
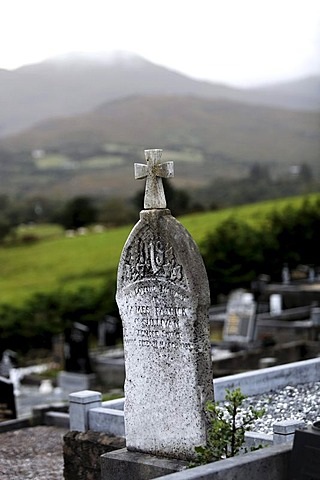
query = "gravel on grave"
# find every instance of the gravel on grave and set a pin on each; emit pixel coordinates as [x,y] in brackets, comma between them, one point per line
[36,453]
[32,453]
[301,403]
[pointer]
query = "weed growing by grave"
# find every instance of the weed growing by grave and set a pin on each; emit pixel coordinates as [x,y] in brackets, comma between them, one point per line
[227,428]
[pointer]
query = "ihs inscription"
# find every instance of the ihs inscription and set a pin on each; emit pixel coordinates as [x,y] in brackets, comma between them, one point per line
[152,258]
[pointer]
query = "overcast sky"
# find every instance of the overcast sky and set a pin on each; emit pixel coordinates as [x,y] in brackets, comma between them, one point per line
[238,42]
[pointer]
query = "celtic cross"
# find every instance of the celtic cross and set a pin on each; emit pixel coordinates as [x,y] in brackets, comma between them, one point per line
[154,171]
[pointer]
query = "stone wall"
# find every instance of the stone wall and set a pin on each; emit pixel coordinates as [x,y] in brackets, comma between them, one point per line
[82,451]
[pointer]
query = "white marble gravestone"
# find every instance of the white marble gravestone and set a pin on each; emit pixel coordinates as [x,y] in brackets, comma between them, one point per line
[239,326]
[163,298]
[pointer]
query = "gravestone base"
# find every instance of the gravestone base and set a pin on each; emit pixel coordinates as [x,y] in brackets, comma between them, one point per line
[125,465]
[82,452]
[70,382]
[305,456]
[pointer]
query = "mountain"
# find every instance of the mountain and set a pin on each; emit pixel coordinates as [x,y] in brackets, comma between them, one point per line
[302,94]
[77,83]
[93,153]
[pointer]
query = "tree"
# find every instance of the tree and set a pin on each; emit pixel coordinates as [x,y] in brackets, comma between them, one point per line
[78,212]
[178,200]
[233,256]
[115,212]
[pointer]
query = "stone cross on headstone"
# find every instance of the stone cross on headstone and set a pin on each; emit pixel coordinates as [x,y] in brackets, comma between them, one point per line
[163,299]
[154,171]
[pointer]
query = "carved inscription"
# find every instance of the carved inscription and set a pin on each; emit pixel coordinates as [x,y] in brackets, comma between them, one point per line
[157,296]
[154,323]
[152,258]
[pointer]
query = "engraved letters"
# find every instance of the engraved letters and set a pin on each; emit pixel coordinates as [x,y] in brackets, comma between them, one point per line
[150,257]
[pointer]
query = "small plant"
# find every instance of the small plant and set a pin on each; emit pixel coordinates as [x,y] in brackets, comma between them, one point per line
[228,426]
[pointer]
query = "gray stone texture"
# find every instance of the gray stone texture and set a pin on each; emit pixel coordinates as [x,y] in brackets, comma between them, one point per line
[73,382]
[163,298]
[270,463]
[80,405]
[82,452]
[107,420]
[125,465]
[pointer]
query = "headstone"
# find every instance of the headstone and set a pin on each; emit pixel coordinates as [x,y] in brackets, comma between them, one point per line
[239,326]
[77,349]
[7,400]
[8,362]
[312,274]
[108,331]
[163,299]
[285,275]
[305,457]
[275,304]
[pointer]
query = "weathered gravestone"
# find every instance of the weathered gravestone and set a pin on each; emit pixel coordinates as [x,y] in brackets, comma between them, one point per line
[239,326]
[163,298]
[7,400]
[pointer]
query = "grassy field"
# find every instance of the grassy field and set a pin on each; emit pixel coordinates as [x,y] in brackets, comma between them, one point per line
[56,262]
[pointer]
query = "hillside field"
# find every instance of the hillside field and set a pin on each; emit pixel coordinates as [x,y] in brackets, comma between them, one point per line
[55,262]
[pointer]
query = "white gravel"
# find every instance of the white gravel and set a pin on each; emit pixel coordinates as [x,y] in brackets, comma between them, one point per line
[301,403]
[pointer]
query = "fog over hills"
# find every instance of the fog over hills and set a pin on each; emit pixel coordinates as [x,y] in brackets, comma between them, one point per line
[93,153]
[77,83]
[77,123]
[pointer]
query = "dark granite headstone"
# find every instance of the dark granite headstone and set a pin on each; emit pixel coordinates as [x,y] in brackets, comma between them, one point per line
[77,349]
[305,457]
[7,400]
[108,331]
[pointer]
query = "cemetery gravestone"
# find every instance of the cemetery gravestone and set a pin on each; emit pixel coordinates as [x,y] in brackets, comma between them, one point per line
[8,362]
[78,373]
[77,349]
[163,299]
[240,320]
[7,400]
[305,457]
[108,331]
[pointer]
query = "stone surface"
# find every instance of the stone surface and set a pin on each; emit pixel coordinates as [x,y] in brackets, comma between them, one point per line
[82,451]
[305,458]
[125,465]
[163,299]
[107,420]
[74,382]
[154,171]
[76,349]
[266,464]
[257,382]
[80,405]
[7,400]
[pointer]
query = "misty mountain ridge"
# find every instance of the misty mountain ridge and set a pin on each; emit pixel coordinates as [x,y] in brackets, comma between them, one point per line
[76,83]
[93,153]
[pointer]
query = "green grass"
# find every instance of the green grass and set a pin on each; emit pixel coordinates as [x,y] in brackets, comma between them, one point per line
[64,263]
[201,223]
[42,232]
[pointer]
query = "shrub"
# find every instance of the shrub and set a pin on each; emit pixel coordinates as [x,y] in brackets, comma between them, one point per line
[226,434]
